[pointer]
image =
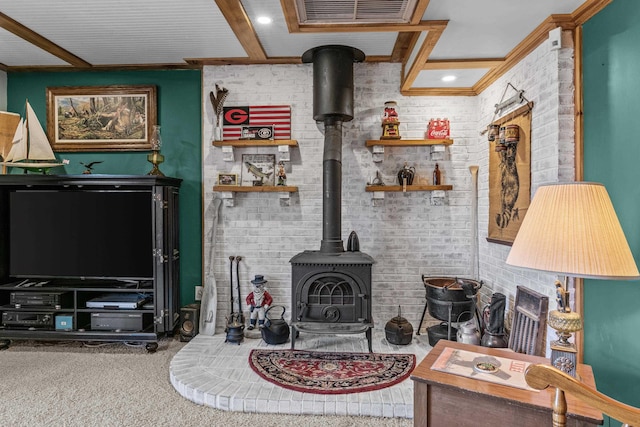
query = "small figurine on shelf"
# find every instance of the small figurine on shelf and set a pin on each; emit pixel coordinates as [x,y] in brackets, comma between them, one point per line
[89,167]
[281,174]
[390,121]
[258,301]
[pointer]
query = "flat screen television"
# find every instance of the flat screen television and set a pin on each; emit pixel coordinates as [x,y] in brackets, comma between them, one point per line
[81,234]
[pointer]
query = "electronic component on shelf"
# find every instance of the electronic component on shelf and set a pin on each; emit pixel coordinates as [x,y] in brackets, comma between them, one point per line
[55,300]
[129,301]
[27,319]
[64,322]
[131,321]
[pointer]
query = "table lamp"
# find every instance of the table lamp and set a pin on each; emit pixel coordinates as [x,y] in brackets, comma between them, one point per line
[572,229]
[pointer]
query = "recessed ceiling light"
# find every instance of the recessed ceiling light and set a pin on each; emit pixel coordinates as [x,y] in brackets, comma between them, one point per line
[264,20]
[448,78]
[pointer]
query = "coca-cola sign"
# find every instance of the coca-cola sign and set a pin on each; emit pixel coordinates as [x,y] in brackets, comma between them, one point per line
[438,129]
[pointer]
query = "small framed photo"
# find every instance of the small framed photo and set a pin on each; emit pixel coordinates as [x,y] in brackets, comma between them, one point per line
[227,179]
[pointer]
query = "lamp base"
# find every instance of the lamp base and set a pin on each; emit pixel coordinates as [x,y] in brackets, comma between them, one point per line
[564,358]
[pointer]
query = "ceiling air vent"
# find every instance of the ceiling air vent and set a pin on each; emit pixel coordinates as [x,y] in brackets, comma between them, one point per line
[354,11]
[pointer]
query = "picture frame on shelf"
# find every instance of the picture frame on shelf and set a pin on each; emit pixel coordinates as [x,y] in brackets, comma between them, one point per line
[258,170]
[227,179]
[101,118]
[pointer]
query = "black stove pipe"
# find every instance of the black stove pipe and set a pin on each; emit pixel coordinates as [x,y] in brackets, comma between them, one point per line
[332,187]
[332,104]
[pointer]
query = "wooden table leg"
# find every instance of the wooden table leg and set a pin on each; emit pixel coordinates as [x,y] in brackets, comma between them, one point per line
[420,404]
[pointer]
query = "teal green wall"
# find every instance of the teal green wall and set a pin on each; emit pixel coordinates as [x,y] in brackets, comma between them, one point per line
[612,156]
[179,115]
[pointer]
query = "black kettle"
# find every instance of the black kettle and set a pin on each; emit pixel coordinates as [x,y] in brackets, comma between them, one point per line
[275,331]
[398,330]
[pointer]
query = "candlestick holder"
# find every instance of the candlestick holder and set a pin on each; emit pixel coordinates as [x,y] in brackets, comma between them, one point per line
[155,158]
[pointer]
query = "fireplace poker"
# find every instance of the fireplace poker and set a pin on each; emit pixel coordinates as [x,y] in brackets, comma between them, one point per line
[240,314]
[231,258]
[235,321]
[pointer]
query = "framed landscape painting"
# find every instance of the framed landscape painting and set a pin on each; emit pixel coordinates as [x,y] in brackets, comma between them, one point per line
[101,118]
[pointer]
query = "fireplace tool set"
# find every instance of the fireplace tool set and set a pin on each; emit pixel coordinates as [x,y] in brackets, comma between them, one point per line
[235,321]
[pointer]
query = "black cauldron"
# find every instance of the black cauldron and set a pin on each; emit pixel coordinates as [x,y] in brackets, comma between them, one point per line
[275,331]
[235,329]
[398,330]
[441,332]
[447,300]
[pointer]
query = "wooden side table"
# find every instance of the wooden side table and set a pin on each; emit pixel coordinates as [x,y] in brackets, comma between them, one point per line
[445,399]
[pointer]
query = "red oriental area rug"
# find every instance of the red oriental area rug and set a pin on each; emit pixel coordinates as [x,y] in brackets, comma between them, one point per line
[331,373]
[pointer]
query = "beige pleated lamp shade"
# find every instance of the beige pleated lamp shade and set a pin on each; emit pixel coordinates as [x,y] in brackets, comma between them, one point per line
[572,229]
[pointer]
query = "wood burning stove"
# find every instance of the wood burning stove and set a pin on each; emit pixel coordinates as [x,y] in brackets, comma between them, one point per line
[331,294]
[331,288]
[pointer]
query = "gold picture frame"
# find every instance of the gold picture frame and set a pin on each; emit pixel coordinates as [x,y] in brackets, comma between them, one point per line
[227,179]
[101,118]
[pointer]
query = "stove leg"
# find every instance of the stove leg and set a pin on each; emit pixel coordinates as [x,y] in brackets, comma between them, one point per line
[369,339]
[424,311]
[294,334]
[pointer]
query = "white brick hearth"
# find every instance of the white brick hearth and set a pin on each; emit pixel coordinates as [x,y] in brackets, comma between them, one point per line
[210,372]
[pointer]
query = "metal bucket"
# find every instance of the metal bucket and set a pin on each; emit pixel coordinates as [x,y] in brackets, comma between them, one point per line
[511,134]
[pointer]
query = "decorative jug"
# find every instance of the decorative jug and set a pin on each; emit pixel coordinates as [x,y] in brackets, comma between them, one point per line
[468,333]
[406,173]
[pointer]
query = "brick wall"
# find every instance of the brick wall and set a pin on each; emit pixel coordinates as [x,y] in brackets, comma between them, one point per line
[547,77]
[408,234]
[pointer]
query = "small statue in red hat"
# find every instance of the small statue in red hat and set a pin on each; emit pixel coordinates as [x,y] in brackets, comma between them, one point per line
[258,301]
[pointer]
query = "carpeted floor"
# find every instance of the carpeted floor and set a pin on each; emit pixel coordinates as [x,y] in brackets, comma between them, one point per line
[72,385]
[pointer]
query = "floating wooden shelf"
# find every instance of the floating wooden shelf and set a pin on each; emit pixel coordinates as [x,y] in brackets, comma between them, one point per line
[408,142]
[413,187]
[256,189]
[255,143]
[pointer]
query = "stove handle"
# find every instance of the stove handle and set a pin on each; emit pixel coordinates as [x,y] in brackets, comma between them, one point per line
[302,307]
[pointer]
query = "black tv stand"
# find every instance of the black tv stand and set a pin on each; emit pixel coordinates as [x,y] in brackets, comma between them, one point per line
[39,316]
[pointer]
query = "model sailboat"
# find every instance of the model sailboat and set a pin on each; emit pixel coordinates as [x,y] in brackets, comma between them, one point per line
[31,148]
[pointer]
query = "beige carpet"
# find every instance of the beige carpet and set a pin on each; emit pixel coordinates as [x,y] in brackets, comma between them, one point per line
[70,384]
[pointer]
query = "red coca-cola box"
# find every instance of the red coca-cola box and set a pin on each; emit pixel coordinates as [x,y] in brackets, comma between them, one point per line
[438,129]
